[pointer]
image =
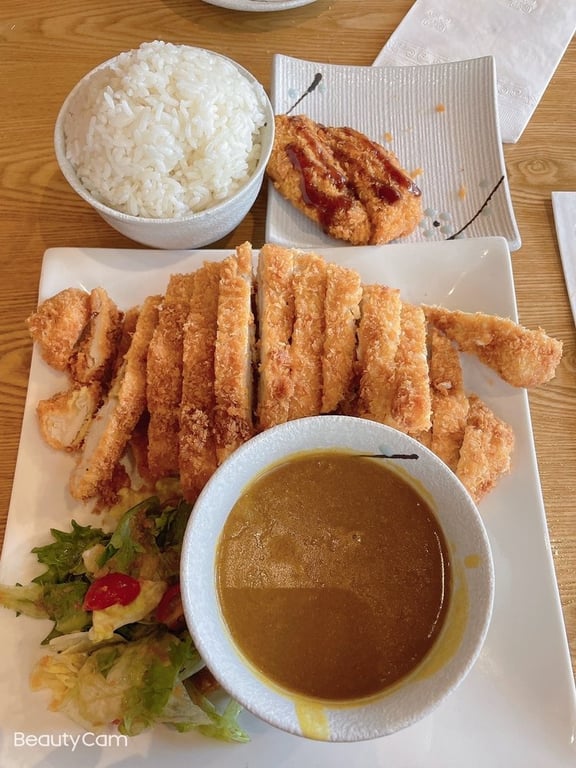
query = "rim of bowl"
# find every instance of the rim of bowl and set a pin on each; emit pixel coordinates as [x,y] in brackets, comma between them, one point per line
[365,719]
[267,133]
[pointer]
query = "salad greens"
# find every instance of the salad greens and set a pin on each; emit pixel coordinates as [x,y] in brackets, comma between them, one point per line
[119,651]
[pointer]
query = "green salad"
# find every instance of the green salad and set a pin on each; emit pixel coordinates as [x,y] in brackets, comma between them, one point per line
[119,651]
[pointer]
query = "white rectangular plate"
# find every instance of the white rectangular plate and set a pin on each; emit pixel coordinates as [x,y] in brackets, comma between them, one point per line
[564,208]
[517,707]
[439,119]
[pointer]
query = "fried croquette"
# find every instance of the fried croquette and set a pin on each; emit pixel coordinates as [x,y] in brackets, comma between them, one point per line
[352,187]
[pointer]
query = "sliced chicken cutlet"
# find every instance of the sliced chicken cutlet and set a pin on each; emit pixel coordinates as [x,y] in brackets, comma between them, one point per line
[234,354]
[521,357]
[164,378]
[306,348]
[354,188]
[485,454]
[197,449]
[378,339]
[111,428]
[449,400]
[129,321]
[65,418]
[57,325]
[303,169]
[95,354]
[275,303]
[341,315]
[410,405]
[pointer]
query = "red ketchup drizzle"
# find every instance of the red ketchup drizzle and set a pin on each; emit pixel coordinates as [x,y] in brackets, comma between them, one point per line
[384,191]
[331,192]
[314,169]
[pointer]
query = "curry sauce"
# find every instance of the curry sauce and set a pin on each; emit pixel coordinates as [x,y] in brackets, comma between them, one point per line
[333,575]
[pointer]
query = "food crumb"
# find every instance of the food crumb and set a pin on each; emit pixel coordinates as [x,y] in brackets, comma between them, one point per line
[388,138]
[440,108]
[416,172]
[462,192]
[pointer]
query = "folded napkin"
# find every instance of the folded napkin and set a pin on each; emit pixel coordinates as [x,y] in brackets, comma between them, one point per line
[564,207]
[526,37]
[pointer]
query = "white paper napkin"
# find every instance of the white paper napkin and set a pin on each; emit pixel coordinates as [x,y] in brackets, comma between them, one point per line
[526,37]
[564,207]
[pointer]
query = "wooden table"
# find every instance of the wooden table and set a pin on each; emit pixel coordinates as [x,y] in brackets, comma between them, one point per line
[47,45]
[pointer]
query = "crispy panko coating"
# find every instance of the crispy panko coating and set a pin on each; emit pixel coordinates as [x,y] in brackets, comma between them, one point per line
[112,426]
[164,378]
[351,186]
[390,197]
[449,401]
[410,407]
[521,357]
[57,325]
[183,393]
[65,417]
[309,287]
[341,315]
[197,451]
[234,354]
[378,338]
[485,454]
[95,354]
[275,302]
[305,172]
[129,320]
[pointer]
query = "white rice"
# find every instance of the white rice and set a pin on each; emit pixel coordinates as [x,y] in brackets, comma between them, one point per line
[165,130]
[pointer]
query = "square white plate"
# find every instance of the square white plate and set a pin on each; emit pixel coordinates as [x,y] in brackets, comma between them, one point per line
[439,119]
[517,708]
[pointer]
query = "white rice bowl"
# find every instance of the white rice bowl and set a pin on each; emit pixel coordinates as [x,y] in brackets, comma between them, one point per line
[164,131]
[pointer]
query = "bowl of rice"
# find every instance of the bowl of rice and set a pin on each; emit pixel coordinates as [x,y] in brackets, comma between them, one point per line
[168,143]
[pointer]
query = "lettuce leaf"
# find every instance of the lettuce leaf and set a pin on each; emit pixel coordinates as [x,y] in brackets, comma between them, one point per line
[63,557]
[223,726]
[63,603]
[27,599]
[148,538]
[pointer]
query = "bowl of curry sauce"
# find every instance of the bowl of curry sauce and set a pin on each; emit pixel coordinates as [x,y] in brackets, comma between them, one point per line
[337,578]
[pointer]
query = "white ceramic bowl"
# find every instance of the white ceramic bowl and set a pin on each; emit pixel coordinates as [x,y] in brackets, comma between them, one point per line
[194,230]
[466,621]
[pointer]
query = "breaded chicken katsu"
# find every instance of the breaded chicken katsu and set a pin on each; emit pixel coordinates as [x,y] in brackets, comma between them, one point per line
[234,354]
[164,378]
[520,356]
[351,186]
[115,421]
[232,349]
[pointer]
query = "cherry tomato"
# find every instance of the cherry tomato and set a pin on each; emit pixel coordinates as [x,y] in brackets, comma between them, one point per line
[112,589]
[169,610]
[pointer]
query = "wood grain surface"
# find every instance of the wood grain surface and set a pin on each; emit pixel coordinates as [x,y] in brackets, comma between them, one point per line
[47,45]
